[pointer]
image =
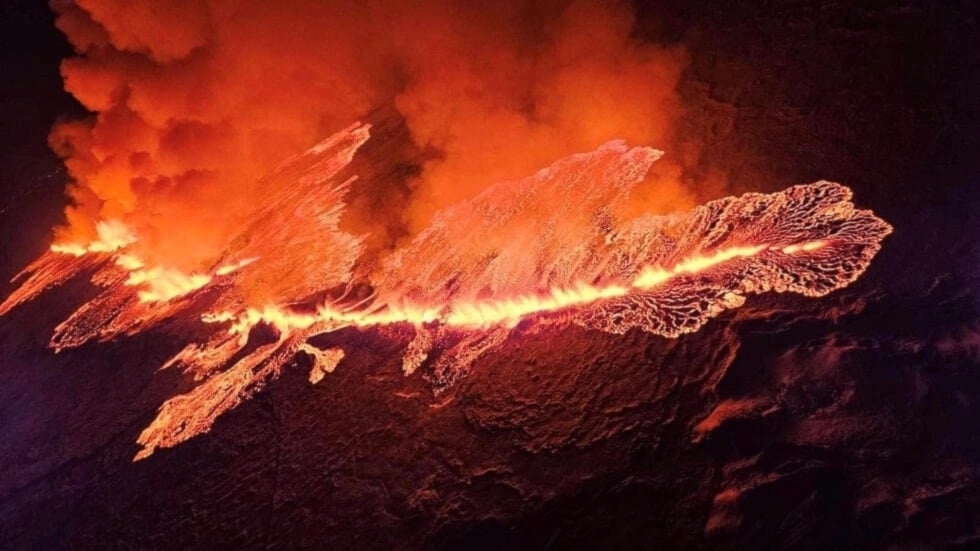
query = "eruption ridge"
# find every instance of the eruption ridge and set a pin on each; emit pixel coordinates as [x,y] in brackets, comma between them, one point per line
[548,249]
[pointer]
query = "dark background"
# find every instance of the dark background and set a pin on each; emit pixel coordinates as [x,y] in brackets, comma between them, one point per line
[31,99]
[847,421]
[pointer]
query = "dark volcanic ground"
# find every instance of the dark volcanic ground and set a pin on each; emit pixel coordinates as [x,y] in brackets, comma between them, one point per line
[842,422]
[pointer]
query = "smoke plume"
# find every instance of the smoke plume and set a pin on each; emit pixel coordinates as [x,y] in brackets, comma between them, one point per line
[193,101]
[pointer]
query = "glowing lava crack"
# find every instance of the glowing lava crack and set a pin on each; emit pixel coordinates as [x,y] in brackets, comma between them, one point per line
[547,249]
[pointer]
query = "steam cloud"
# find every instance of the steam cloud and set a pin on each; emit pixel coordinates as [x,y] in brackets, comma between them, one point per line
[193,101]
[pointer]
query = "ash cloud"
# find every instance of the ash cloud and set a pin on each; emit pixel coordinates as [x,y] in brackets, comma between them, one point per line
[193,101]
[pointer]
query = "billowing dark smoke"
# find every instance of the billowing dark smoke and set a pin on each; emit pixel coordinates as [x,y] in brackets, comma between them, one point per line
[194,100]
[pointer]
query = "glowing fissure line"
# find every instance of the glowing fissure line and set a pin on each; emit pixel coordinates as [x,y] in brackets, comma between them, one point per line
[652,276]
[493,312]
[230,268]
[806,247]
[163,284]
[159,283]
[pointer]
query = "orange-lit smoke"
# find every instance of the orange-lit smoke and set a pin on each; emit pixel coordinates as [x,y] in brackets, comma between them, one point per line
[194,100]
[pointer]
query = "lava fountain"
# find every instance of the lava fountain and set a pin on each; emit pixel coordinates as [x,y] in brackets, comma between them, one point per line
[548,249]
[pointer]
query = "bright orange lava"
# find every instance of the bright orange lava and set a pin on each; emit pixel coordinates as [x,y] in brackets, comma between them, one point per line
[476,314]
[158,283]
[526,249]
[113,236]
[162,284]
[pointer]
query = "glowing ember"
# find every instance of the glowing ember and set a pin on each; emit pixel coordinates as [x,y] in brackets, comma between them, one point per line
[545,249]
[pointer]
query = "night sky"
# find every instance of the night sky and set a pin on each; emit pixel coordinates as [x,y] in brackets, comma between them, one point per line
[33,97]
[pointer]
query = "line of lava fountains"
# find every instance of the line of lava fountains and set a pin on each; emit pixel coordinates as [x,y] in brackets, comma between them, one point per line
[544,250]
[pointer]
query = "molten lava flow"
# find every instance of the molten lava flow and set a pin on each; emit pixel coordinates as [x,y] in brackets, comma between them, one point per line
[113,235]
[162,284]
[543,250]
[506,311]
[804,247]
[651,277]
